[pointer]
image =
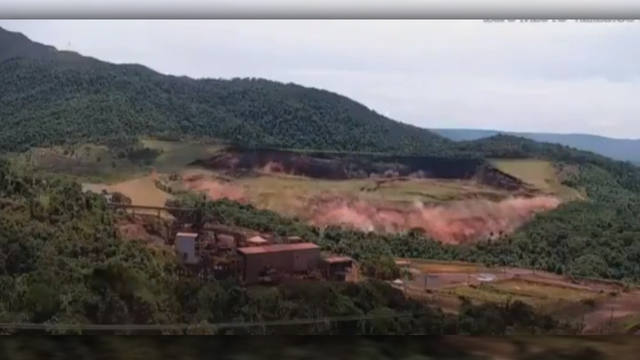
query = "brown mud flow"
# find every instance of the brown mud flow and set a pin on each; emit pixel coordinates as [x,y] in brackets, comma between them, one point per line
[453,222]
[457,222]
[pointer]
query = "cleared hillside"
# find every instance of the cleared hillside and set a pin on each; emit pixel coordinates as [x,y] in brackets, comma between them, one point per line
[541,174]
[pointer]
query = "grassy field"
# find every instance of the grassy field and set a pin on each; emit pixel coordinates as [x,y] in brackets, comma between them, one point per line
[594,307]
[540,174]
[142,190]
[449,281]
[176,155]
[97,168]
[276,192]
[281,192]
[87,162]
[542,291]
[450,267]
[97,163]
[484,293]
[562,303]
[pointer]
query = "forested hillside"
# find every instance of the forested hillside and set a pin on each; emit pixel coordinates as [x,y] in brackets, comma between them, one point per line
[599,237]
[618,149]
[49,97]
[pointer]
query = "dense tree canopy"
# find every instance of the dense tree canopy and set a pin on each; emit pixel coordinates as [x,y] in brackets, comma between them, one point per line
[49,97]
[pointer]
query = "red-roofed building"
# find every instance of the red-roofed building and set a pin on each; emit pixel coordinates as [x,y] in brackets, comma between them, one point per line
[336,267]
[257,261]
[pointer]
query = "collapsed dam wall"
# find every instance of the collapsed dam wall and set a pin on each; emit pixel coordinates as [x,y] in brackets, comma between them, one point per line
[334,166]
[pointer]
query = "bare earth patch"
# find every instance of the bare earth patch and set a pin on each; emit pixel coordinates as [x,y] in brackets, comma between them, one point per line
[382,206]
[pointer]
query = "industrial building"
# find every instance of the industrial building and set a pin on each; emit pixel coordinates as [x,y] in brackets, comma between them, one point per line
[258,261]
[336,267]
[186,247]
[224,253]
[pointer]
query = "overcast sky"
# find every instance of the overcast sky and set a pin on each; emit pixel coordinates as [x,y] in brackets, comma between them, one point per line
[553,77]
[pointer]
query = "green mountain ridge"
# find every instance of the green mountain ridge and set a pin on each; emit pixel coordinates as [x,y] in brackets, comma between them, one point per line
[53,97]
[617,149]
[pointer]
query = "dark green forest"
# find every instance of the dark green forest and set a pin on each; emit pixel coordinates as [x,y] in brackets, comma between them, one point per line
[50,98]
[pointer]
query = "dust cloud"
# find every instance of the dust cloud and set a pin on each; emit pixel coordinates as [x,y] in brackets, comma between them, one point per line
[455,223]
[216,190]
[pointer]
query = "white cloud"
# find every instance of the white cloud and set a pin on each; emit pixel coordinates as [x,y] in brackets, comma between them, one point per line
[558,77]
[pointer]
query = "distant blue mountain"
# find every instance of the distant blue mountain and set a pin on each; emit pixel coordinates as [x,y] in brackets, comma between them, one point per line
[618,149]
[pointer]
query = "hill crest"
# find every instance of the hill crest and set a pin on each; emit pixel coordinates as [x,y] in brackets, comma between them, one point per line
[617,149]
[51,97]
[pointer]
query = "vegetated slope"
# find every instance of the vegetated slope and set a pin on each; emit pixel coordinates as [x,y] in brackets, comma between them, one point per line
[62,261]
[512,147]
[598,237]
[17,45]
[49,97]
[543,175]
[618,149]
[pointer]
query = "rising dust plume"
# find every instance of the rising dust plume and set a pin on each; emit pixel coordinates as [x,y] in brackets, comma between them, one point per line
[457,222]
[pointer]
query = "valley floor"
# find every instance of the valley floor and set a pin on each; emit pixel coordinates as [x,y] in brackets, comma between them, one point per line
[595,306]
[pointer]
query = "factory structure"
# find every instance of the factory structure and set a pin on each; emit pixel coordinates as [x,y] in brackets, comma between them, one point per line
[263,261]
[210,250]
[219,251]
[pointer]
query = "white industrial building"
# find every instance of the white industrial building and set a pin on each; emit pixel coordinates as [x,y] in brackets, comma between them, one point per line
[186,247]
